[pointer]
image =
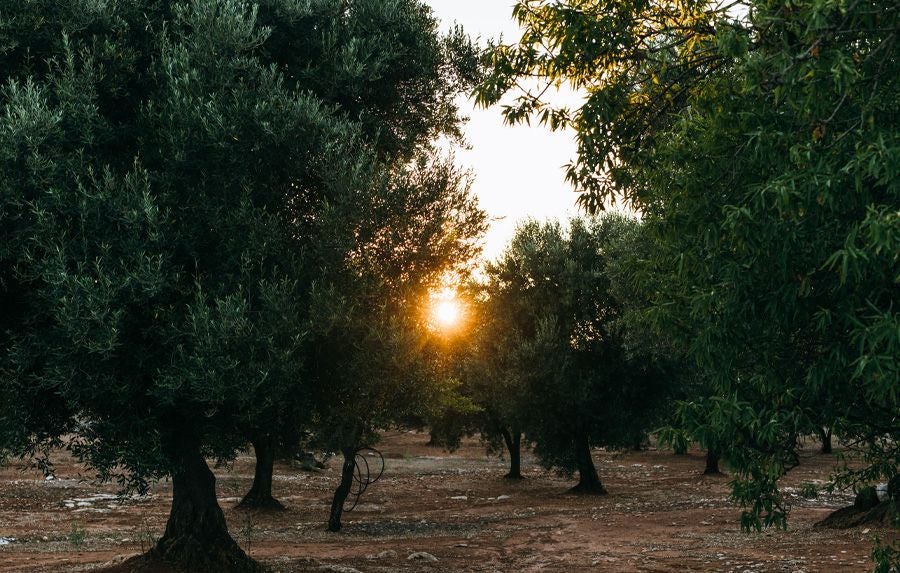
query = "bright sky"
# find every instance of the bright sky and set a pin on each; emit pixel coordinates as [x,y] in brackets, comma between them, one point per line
[518,170]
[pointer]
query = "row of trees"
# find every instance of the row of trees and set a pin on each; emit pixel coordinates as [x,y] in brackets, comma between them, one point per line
[759,141]
[217,219]
[551,359]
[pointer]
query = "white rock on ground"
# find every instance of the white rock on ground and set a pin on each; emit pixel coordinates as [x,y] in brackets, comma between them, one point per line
[387,554]
[422,556]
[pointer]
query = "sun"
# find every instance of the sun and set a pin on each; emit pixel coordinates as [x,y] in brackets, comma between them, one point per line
[446,311]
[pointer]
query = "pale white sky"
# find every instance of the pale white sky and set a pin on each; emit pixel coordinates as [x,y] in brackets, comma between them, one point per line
[518,169]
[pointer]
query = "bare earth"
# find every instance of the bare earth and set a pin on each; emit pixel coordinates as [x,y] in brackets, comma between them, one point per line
[660,516]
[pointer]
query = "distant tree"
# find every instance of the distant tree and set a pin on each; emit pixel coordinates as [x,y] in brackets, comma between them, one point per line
[493,374]
[275,426]
[635,280]
[582,389]
[400,88]
[371,360]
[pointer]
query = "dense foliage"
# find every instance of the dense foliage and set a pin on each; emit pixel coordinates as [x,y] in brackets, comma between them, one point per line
[167,170]
[371,361]
[760,141]
[552,349]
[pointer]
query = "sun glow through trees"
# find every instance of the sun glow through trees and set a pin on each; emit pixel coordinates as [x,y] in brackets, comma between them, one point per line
[445,312]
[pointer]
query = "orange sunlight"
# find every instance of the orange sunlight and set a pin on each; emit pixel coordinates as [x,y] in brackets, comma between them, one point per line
[446,312]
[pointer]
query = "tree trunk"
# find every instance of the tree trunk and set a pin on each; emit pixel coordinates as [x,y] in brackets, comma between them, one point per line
[588,480]
[641,443]
[343,489]
[825,437]
[513,441]
[260,494]
[712,462]
[196,536]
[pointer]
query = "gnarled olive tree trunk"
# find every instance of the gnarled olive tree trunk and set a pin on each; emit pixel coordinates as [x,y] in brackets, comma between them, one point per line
[260,494]
[712,462]
[196,536]
[343,488]
[588,479]
[513,440]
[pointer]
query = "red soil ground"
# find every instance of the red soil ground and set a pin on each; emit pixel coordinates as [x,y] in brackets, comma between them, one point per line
[660,516]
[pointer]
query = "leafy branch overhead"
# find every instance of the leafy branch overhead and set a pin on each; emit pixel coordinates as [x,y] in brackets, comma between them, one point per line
[759,141]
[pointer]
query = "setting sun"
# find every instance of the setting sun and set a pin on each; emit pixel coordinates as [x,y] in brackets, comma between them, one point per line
[446,312]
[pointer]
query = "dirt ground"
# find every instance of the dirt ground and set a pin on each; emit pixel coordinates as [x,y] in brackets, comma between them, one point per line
[660,516]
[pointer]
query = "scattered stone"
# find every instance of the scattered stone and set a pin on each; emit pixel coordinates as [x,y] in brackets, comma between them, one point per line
[460,497]
[387,554]
[339,569]
[502,497]
[422,556]
[6,540]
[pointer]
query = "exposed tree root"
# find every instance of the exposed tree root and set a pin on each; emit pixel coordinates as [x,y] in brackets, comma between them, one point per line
[588,489]
[261,503]
[152,563]
[853,516]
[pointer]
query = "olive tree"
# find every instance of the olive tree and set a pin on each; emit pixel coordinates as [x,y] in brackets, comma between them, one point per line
[582,387]
[163,167]
[371,360]
[400,87]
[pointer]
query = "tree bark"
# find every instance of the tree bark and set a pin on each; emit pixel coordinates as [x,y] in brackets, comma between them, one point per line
[712,462]
[641,442]
[196,536]
[588,479]
[343,489]
[260,494]
[513,441]
[825,437]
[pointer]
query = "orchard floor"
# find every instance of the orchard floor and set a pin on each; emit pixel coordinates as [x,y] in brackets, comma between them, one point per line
[660,516]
